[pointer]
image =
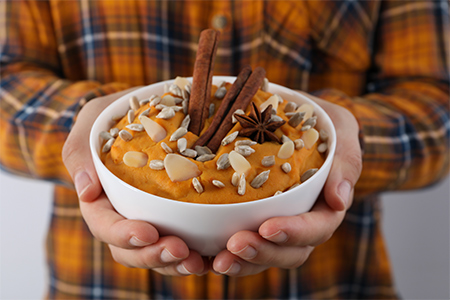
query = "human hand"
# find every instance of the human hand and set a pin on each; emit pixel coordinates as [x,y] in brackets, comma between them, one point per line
[287,242]
[133,243]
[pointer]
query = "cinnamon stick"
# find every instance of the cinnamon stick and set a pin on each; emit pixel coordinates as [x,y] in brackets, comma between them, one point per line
[244,98]
[202,79]
[225,106]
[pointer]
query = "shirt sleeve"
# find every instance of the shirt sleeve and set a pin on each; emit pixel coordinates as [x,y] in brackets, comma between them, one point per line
[38,105]
[404,116]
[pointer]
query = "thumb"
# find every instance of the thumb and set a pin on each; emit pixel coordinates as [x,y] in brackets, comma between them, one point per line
[76,153]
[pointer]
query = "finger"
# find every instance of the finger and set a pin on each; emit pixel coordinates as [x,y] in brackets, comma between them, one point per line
[76,153]
[110,227]
[248,254]
[308,229]
[165,255]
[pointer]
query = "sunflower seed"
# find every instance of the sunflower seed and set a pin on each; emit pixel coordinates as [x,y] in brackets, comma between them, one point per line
[160,106]
[107,147]
[155,101]
[310,122]
[156,164]
[223,162]
[179,133]
[166,88]
[175,89]
[278,193]
[185,95]
[286,167]
[125,135]
[189,153]
[241,185]
[145,112]
[135,127]
[245,143]
[260,179]
[221,84]
[218,183]
[220,93]
[185,122]
[268,161]
[185,105]
[305,176]
[237,111]
[322,147]
[265,85]
[305,128]
[130,116]
[290,107]
[197,185]
[286,150]
[188,87]
[212,108]
[308,109]
[134,103]
[166,113]
[176,108]
[299,144]
[296,119]
[116,118]
[294,186]
[143,102]
[135,159]
[290,114]
[202,150]
[323,135]
[284,139]
[230,138]
[276,118]
[244,150]
[205,157]
[166,148]
[114,132]
[181,144]
[105,135]
[235,179]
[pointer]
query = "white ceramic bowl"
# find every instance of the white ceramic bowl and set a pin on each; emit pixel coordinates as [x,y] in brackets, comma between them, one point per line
[206,227]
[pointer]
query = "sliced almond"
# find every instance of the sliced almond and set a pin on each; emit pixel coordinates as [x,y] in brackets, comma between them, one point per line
[179,168]
[155,131]
[135,159]
[168,100]
[239,163]
[265,85]
[181,82]
[286,150]
[310,137]
[308,109]
[272,100]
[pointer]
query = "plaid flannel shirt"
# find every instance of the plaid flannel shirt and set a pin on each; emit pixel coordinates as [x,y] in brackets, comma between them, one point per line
[386,61]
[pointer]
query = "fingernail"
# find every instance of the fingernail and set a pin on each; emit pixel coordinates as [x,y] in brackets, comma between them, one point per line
[233,269]
[182,270]
[82,182]
[278,237]
[247,253]
[344,189]
[168,257]
[137,242]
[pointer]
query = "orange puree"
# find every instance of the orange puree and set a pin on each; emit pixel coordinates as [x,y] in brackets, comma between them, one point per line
[157,182]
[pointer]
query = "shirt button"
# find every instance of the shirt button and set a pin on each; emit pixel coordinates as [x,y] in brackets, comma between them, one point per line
[219,21]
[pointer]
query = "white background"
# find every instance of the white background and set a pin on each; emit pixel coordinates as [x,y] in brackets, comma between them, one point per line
[416,225]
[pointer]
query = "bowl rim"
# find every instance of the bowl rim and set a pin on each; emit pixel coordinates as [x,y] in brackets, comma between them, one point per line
[93,139]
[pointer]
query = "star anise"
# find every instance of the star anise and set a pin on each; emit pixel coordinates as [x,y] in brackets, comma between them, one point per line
[258,126]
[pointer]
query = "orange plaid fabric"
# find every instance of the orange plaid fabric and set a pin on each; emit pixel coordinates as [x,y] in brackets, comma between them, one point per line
[386,61]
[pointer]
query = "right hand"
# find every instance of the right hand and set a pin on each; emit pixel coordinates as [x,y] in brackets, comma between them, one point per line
[133,243]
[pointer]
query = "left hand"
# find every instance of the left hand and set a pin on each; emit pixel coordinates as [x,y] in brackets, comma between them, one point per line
[287,242]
